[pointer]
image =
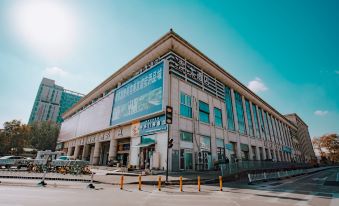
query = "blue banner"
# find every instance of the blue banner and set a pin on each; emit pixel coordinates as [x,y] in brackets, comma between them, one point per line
[143,95]
[287,149]
[153,125]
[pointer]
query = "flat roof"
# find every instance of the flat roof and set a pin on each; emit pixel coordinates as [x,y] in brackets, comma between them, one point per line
[178,44]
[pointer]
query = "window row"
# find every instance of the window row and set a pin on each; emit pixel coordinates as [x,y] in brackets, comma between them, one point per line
[259,122]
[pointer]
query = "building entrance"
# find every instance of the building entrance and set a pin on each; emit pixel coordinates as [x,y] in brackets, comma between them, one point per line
[123,152]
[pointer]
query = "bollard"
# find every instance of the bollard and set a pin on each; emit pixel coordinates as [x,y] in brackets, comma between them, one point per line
[91,186]
[198,183]
[159,183]
[180,183]
[122,182]
[220,182]
[139,183]
[43,183]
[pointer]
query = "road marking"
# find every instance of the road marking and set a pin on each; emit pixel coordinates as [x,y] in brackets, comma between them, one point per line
[308,198]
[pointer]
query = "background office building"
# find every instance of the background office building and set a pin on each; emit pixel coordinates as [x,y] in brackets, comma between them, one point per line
[214,115]
[51,101]
[304,139]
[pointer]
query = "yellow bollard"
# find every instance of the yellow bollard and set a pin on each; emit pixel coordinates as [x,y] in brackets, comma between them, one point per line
[198,183]
[121,182]
[139,182]
[159,183]
[180,183]
[220,182]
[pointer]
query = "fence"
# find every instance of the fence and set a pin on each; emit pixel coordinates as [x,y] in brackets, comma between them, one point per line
[237,167]
[267,176]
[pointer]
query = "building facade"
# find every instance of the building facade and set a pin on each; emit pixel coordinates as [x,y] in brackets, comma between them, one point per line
[214,115]
[304,139]
[52,101]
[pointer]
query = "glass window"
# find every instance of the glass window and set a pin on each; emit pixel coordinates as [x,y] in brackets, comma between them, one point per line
[186,159]
[220,148]
[204,112]
[267,125]
[229,108]
[270,122]
[240,113]
[186,136]
[206,143]
[217,117]
[261,120]
[249,117]
[185,105]
[255,117]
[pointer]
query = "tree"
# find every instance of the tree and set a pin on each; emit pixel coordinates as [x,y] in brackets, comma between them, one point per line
[14,137]
[328,143]
[44,135]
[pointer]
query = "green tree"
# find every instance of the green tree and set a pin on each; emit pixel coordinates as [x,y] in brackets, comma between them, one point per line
[44,135]
[14,137]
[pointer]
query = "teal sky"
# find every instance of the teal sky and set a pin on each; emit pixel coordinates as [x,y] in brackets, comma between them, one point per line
[287,51]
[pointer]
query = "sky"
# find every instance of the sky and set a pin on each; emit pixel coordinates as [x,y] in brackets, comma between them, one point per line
[286,51]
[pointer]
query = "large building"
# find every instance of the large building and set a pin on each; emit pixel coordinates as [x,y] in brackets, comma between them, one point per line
[52,101]
[214,115]
[304,139]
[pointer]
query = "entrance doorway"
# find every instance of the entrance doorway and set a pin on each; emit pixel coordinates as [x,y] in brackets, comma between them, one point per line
[123,151]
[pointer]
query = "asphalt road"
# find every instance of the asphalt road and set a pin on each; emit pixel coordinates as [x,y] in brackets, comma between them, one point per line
[299,191]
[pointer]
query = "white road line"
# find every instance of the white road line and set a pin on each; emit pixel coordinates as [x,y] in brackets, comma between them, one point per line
[308,198]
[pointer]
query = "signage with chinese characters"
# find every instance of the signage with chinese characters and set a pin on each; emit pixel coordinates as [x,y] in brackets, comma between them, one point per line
[140,96]
[194,75]
[229,147]
[153,125]
[135,129]
[287,149]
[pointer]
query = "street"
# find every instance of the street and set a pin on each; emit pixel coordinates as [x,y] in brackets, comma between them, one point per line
[300,191]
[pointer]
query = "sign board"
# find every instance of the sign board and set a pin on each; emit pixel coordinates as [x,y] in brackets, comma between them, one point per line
[153,125]
[141,96]
[229,147]
[287,149]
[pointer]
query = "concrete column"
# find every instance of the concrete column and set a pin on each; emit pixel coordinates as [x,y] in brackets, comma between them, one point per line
[238,151]
[264,153]
[278,156]
[258,152]
[112,154]
[69,151]
[96,154]
[85,151]
[269,153]
[275,155]
[250,152]
[76,151]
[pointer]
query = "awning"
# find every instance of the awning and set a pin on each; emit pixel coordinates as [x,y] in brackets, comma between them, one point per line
[144,144]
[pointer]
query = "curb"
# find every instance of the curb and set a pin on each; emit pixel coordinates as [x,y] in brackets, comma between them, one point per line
[47,178]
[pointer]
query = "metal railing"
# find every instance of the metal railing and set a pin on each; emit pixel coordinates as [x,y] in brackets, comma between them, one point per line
[233,168]
[268,176]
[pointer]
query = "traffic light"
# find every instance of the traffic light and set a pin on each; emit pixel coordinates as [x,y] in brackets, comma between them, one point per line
[169,115]
[170,143]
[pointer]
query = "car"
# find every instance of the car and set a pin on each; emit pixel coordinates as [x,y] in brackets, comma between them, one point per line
[9,161]
[65,158]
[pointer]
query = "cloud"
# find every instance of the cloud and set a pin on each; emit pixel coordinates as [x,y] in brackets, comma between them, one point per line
[55,72]
[257,85]
[321,112]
